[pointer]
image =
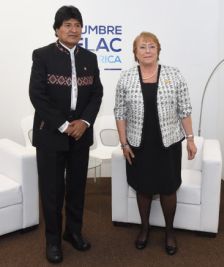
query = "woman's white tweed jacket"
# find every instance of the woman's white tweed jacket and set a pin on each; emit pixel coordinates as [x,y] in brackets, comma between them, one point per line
[173,104]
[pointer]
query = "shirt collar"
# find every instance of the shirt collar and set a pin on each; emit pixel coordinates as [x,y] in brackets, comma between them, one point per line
[71,50]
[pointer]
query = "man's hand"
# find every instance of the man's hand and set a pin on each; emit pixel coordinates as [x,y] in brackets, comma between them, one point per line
[76,129]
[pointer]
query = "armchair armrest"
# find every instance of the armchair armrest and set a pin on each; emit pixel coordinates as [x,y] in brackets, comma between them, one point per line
[119,187]
[19,164]
[211,185]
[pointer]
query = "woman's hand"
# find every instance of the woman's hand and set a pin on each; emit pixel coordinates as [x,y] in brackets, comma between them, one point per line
[191,149]
[128,153]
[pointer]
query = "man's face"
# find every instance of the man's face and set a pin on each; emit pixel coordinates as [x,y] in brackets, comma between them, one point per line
[70,32]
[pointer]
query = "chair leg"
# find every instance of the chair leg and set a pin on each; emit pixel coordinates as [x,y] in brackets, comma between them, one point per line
[100,171]
[95,174]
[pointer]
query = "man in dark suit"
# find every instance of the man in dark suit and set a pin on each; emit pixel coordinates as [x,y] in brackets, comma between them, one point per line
[66,92]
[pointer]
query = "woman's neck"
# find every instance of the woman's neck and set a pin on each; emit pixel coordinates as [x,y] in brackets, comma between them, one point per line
[148,68]
[149,72]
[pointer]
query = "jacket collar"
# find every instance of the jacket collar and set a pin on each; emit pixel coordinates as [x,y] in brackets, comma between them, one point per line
[64,50]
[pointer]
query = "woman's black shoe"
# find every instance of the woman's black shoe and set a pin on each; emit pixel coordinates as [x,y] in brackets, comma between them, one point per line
[170,249]
[141,244]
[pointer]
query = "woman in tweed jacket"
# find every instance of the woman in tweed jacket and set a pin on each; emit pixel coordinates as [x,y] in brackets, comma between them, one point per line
[153,115]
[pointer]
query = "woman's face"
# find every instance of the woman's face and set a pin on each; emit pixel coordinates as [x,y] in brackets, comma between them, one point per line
[146,52]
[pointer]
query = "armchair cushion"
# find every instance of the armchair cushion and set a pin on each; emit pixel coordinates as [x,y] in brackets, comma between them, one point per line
[189,191]
[10,192]
[19,205]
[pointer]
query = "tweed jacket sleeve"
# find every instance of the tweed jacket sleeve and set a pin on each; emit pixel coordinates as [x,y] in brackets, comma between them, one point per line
[120,109]
[184,108]
[173,104]
[129,104]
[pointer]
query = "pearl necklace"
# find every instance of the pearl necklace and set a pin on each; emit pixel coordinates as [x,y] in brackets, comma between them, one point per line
[149,77]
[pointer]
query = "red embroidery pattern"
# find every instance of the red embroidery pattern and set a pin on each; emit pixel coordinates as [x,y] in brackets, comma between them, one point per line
[59,79]
[64,50]
[61,48]
[84,81]
[67,81]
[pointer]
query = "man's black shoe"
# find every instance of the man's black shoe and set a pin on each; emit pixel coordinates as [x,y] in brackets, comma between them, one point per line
[77,241]
[54,253]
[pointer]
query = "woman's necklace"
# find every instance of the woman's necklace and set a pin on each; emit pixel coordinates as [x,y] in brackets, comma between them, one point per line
[149,77]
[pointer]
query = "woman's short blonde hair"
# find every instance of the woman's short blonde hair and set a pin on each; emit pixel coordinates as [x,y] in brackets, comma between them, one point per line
[146,36]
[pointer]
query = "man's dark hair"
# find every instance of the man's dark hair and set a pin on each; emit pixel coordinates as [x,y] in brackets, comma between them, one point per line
[66,13]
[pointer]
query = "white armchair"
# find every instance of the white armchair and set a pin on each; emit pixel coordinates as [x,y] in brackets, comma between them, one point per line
[19,207]
[106,137]
[106,140]
[198,198]
[27,128]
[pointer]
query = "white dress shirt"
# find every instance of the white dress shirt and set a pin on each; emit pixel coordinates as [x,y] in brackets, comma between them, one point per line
[74,91]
